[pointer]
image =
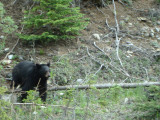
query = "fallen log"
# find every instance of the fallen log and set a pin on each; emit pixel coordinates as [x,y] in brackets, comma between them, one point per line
[98,86]
[104,86]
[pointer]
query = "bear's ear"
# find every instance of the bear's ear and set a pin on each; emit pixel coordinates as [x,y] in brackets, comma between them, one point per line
[48,64]
[38,66]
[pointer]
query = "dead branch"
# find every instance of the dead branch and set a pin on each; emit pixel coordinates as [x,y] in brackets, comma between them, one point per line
[42,105]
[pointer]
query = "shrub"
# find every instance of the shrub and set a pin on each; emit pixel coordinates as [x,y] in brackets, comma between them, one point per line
[53,20]
[150,108]
[4,107]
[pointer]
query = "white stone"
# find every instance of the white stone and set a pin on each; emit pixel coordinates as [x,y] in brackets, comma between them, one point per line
[10,57]
[9,98]
[152,34]
[6,62]
[43,107]
[157,29]
[1,36]
[158,39]
[6,49]
[126,100]
[61,94]
[96,36]
[35,112]
[158,22]
[152,31]
[130,24]
[80,80]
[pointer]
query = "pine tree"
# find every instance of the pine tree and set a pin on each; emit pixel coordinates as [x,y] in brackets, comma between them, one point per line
[53,20]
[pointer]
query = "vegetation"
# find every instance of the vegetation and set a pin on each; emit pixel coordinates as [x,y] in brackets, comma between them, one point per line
[4,107]
[56,20]
[7,26]
[53,21]
[93,103]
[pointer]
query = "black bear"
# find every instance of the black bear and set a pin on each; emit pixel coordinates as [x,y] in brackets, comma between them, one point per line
[29,75]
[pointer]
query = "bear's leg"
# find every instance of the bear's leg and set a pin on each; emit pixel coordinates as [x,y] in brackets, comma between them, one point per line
[26,87]
[43,91]
[15,81]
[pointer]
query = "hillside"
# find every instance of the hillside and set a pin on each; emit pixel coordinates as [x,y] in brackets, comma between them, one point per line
[113,48]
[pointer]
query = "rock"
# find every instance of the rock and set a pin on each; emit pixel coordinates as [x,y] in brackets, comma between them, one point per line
[151,34]
[146,34]
[142,19]
[158,22]
[157,29]
[61,94]
[10,57]
[152,31]
[43,107]
[20,57]
[34,113]
[1,37]
[158,38]
[96,36]
[126,100]
[6,62]
[6,49]
[130,24]
[126,19]
[9,98]
[122,23]
[80,81]
[129,43]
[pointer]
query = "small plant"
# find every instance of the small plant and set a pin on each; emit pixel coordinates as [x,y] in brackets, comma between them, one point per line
[158,1]
[151,107]
[41,52]
[65,71]
[4,107]
[53,20]
[32,97]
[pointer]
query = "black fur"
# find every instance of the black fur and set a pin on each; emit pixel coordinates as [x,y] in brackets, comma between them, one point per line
[29,75]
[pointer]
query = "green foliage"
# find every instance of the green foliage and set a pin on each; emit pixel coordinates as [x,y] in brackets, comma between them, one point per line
[115,93]
[65,71]
[53,20]
[158,1]
[41,52]
[7,26]
[4,107]
[129,2]
[151,107]
[32,97]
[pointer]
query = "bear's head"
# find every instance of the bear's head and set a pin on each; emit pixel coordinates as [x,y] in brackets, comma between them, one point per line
[43,70]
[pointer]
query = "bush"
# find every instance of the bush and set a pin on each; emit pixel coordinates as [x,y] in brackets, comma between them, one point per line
[52,20]
[150,108]
[4,107]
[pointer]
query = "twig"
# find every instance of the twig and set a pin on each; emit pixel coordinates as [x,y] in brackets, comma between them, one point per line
[93,58]
[99,69]
[146,73]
